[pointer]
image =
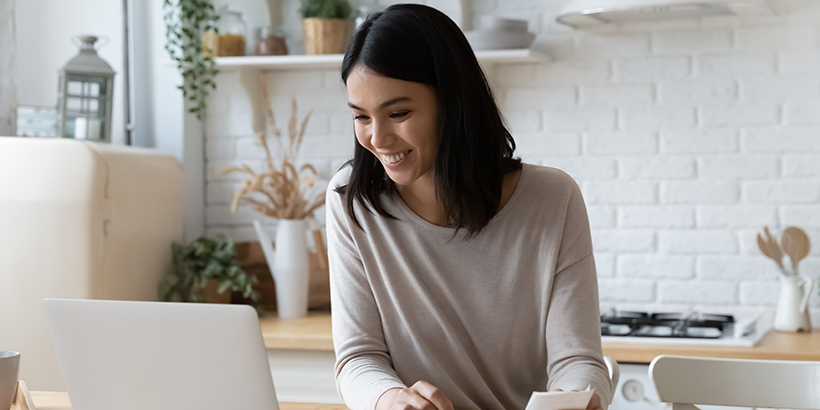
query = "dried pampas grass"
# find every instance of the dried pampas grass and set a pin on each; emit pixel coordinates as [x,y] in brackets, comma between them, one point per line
[280,193]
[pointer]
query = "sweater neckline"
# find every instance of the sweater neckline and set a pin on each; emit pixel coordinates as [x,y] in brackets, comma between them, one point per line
[448,232]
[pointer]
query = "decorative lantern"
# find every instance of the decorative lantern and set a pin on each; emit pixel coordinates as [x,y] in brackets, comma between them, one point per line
[86,95]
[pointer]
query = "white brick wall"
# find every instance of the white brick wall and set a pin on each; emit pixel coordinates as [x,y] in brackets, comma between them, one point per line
[686,137]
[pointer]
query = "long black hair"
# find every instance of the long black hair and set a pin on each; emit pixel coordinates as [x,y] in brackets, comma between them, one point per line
[418,43]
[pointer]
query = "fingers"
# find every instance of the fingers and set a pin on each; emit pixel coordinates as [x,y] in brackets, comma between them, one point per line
[433,395]
[422,396]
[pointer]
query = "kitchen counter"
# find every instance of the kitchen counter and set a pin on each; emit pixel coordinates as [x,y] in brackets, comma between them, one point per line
[310,333]
[313,333]
[59,401]
[773,346]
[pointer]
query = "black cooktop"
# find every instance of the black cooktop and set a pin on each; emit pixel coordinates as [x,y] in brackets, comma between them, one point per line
[666,325]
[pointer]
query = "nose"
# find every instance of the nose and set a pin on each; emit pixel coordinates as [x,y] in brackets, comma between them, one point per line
[383,134]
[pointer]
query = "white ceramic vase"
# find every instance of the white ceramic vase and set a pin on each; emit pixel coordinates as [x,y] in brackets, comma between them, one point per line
[792,306]
[288,265]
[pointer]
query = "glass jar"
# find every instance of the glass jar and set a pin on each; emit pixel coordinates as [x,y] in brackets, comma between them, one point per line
[270,41]
[230,40]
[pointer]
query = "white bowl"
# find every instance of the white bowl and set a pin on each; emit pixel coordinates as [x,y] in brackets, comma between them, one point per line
[499,23]
[499,39]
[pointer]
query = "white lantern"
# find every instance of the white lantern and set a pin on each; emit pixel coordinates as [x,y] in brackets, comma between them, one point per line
[86,95]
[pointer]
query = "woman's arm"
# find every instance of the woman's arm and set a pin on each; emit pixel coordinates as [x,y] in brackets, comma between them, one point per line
[363,366]
[573,330]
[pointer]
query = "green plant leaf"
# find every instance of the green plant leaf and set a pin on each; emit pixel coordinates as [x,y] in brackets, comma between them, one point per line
[185,20]
[202,260]
[223,287]
[324,9]
[213,268]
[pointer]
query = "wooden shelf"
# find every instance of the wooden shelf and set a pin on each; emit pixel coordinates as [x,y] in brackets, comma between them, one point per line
[332,61]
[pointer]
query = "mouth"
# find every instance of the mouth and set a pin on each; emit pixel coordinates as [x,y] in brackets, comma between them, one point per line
[395,159]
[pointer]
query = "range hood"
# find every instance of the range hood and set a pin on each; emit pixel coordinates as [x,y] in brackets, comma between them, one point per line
[592,13]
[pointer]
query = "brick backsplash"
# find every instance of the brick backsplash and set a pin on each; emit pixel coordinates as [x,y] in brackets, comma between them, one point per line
[686,138]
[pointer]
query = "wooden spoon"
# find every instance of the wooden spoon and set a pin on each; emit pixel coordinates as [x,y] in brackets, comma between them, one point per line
[796,244]
[764,248]
[770,248]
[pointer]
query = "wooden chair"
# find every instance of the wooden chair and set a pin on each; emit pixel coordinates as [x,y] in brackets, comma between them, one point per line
[686,381]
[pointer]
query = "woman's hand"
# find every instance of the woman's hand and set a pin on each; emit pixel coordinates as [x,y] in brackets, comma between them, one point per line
[594,403]
[420,396]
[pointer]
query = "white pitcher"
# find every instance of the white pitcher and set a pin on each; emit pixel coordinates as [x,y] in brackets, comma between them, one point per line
[289,265]
[792,306]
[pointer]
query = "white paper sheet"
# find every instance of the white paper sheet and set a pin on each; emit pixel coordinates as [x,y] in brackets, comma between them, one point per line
[560,400]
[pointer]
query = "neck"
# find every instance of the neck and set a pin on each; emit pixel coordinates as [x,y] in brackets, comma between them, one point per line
[420,197]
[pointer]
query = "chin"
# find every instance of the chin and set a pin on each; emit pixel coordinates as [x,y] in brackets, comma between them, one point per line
[400,178]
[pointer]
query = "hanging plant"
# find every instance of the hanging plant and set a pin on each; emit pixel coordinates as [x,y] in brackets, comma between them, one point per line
[185,21]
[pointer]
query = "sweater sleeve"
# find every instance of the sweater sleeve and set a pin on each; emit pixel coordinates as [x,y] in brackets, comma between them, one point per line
[575,359]
[363,367]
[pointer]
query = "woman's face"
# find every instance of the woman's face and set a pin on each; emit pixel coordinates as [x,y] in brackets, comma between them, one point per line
[397,121]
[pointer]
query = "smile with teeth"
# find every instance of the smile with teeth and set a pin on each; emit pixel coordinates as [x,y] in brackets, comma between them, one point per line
[394,159]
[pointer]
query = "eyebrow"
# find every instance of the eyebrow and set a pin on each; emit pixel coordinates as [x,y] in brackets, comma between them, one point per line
[384,104]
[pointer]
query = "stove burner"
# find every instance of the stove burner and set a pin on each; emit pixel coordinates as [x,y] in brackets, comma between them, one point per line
[667,325]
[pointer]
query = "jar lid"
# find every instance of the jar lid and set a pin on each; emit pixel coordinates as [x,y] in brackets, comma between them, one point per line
[225,10]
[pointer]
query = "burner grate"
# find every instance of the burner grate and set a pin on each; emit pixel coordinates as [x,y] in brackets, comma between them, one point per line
[666,325]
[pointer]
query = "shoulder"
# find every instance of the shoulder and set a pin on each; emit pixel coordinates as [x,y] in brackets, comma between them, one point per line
[548,183]
[341,178]
[334,200]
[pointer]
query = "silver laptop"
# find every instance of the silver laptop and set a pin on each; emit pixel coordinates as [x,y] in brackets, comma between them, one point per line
[160,356]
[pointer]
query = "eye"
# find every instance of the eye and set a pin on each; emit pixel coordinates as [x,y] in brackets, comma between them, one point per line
[360,118]
[399,114]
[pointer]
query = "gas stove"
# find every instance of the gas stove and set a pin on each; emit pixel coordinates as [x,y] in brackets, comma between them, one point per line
[679,328]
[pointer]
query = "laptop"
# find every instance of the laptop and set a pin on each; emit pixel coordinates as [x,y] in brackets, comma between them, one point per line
[160,356]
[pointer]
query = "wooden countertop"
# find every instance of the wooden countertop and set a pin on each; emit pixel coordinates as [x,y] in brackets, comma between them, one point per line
[773,346]
[314,333]
[310,333]
[59,401]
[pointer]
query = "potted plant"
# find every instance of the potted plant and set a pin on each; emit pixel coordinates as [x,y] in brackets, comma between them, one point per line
[324,25]
[289,195]
[205,271]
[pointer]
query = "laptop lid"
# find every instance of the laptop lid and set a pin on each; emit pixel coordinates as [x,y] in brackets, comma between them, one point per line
[160,356]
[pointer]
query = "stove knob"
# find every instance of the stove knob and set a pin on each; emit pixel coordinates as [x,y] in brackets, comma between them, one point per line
[633,391]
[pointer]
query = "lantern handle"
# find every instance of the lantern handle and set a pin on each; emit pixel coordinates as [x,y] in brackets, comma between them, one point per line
[78,41]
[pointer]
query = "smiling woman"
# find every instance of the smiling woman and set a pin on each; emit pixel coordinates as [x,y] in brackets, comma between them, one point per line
[399,131]
[460,277]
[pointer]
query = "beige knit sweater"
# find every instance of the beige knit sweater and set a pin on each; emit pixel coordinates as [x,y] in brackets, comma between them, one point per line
[488,320]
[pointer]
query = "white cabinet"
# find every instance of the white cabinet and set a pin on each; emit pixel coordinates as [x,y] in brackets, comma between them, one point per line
[304,375]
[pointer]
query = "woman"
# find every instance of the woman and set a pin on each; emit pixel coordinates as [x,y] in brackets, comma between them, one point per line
[460,278]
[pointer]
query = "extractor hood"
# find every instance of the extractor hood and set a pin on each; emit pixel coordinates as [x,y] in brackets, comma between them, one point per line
[592,13]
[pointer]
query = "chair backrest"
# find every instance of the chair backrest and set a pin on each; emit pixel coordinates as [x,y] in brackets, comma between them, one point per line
[686,381]
[614,373]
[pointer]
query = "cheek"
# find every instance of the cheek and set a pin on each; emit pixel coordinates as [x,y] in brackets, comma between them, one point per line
[424,134]
[360,135]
